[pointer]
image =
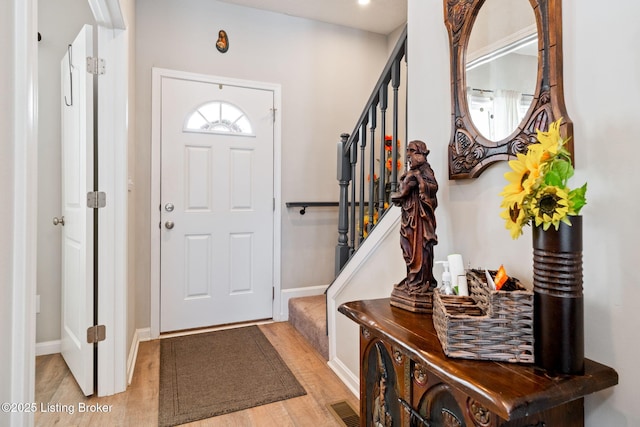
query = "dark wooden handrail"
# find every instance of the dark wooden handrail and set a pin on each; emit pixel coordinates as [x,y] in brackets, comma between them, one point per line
[305,205]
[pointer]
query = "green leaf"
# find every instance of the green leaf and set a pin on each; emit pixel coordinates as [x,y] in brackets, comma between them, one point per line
[553,178]
[578,198]
[559,172]
[565,169]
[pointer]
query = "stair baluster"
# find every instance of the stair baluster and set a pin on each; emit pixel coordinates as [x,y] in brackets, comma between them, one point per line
[383,128]
[354,162]
[363,146]
[395,83]
[372,167]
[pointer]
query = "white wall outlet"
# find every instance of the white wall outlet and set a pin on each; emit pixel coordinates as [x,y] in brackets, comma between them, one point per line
[37,304]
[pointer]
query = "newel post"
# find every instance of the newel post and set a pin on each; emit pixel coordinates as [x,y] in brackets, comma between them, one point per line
[344,178]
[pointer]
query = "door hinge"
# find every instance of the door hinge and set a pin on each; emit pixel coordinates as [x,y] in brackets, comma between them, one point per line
[95,65]
[96,334]
[273,294]
[96,199]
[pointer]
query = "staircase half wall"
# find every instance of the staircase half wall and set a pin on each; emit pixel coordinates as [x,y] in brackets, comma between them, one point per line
[369,274]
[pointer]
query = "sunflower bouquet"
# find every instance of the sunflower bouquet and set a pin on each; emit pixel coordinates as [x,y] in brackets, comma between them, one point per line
[537,192]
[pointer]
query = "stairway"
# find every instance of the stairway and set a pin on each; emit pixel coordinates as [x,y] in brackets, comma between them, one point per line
[308,315]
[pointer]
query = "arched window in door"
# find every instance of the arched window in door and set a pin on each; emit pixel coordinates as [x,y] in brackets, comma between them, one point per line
[218,117]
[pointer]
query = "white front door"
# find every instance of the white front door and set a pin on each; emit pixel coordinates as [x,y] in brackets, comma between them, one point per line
[216,203]
[78,225]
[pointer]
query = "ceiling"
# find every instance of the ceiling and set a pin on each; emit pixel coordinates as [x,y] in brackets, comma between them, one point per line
[379,16]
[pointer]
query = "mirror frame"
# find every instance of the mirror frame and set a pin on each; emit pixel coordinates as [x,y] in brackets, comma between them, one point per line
[470,153]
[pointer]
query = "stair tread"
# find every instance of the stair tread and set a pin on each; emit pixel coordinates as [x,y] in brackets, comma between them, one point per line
[309,316]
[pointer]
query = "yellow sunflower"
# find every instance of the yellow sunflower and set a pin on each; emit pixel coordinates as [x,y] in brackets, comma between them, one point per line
[515,218]
[551,141]
[536,192]
[550,206]
[515,190]
[534,162]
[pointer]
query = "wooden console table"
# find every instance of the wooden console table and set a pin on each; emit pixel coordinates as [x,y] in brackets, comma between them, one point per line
[406,379]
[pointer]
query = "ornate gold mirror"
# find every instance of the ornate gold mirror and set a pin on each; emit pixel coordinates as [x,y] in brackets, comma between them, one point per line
[506,79]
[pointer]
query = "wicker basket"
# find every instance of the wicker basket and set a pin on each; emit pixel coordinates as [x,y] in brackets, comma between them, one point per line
[487,325]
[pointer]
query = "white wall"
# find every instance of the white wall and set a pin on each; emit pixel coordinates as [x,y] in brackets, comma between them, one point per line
[602,87]
[59,22]
[371,273]
[326,72]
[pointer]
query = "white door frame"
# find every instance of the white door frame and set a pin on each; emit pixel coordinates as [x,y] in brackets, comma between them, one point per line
[22,344]
[25,204]
[157,75]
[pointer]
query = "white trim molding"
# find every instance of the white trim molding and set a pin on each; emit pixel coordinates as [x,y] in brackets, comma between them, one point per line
[287,294]
[350,379]
[48,347]
[139,335]
[157,75]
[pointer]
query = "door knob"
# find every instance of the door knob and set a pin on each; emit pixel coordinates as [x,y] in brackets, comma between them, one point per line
[57,221]
[169,225]
[169,207]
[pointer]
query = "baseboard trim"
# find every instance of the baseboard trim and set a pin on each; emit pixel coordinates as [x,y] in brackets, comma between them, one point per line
[287,294]
[351,380]
[48,347]
[139,336]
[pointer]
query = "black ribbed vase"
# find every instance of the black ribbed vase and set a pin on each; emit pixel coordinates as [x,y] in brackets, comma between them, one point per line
[558,311]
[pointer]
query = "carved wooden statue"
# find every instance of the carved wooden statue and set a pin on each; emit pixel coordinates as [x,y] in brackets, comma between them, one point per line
[417,198]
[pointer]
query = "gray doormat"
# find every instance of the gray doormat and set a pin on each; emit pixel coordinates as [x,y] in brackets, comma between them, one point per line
[206,375]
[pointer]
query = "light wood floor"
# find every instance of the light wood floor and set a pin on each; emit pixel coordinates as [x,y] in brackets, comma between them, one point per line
[138,406]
